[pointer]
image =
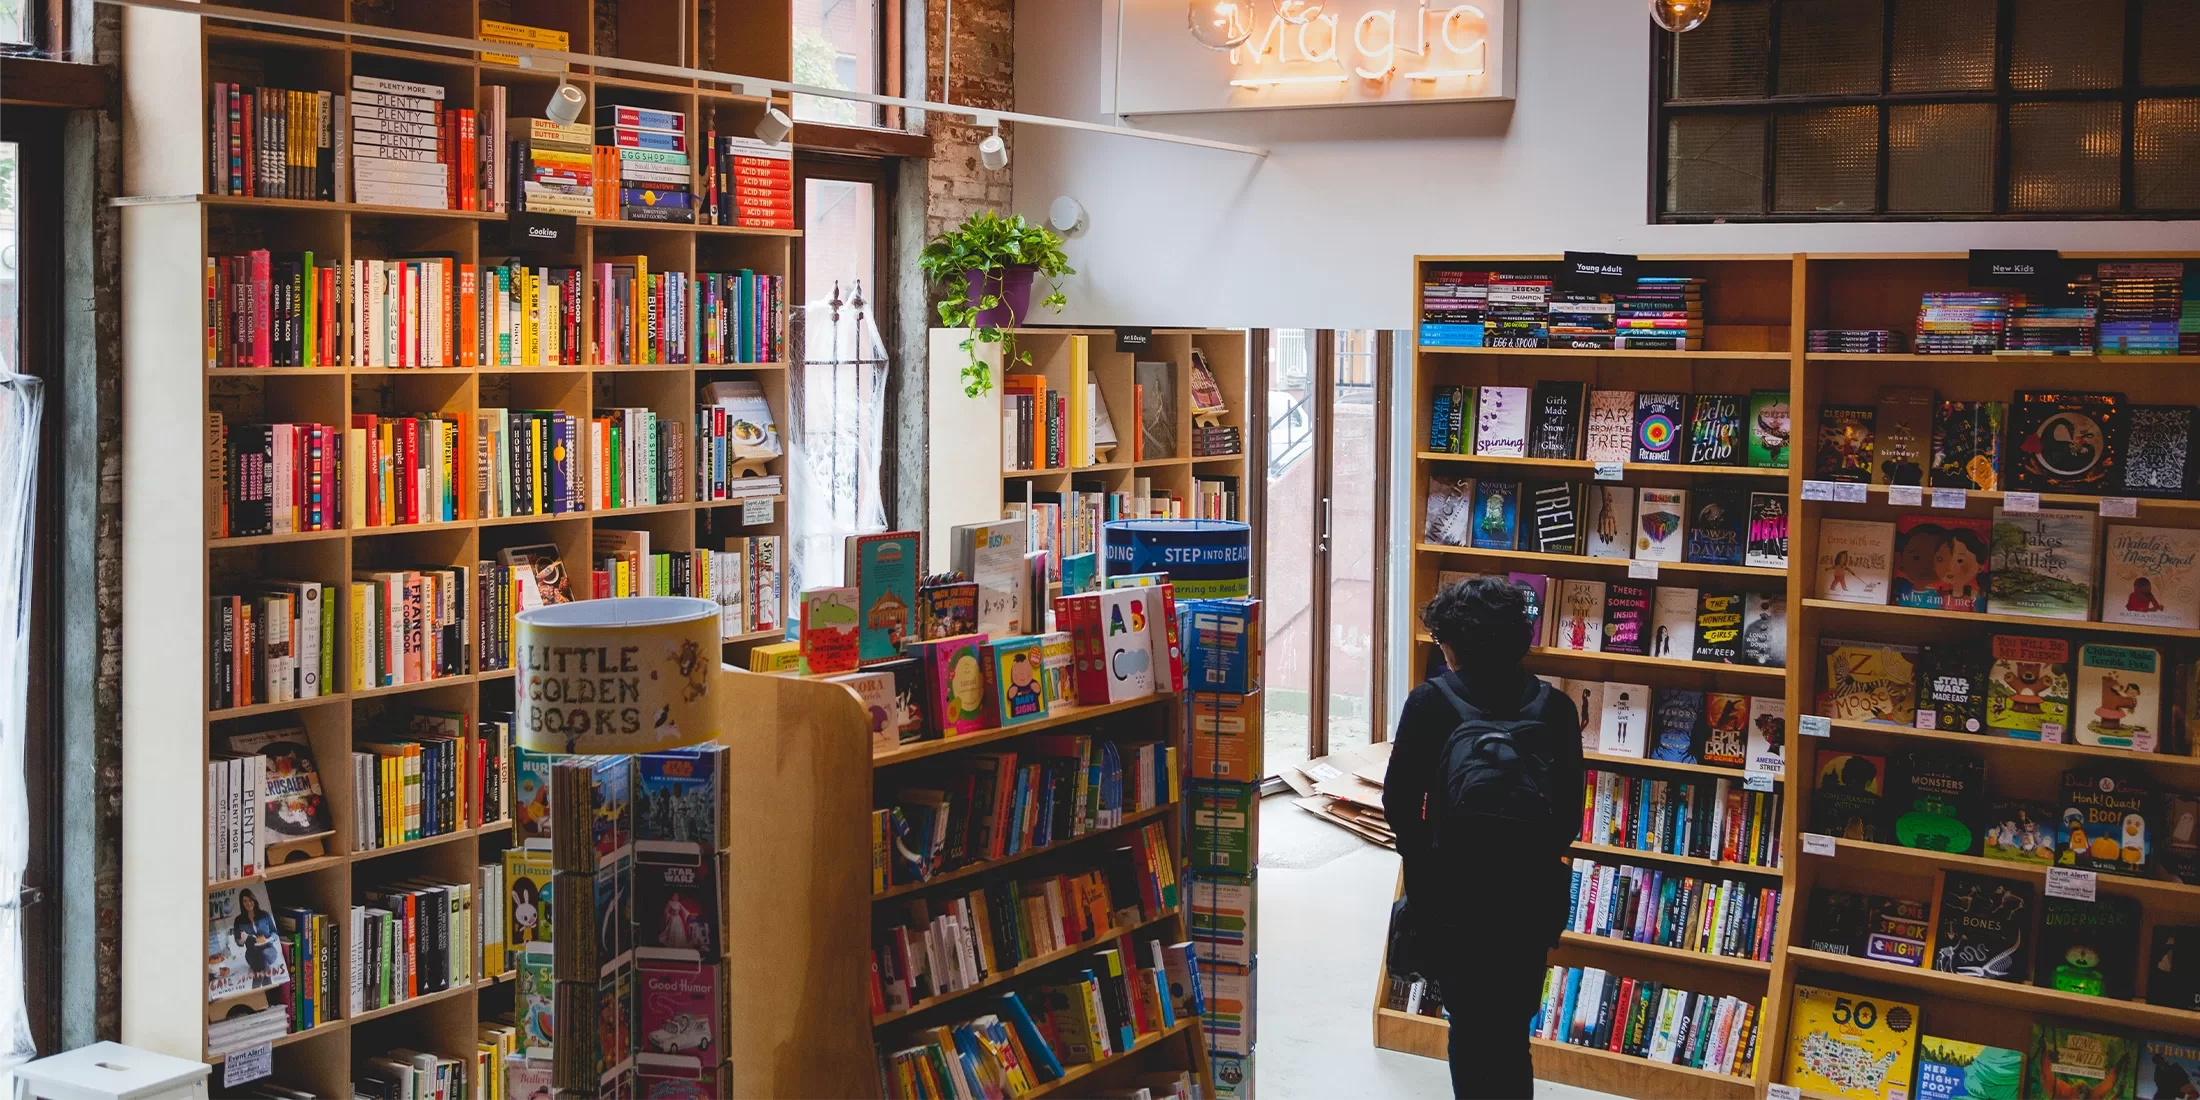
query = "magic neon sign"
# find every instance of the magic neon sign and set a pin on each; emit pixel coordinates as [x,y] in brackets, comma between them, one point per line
[1458,47]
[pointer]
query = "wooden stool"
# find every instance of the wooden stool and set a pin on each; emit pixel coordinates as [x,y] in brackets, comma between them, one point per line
[111,1071]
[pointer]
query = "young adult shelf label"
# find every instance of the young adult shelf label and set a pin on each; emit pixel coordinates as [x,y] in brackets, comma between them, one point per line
[2020,504]
[2071,883]
[1815,725]
[1598,272]
[1817,844]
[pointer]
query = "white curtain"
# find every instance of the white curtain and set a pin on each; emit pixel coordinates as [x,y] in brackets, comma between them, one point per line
[839,428]
[22,399]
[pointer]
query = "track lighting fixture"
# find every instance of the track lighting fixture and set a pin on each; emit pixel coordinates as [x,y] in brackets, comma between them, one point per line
[566,104]
[993,152]
[774,127]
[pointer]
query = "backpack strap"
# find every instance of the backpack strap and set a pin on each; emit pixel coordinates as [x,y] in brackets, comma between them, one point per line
[1465,710]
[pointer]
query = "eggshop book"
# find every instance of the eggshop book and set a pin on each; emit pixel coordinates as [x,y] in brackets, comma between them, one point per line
[1660,523]
[2088,947]
[883,568]
[1982,926]
[1610,517]
[1768,531]
[2169,1068]
[1770,428]
[1951,1069]
[1843,1044]
[1610,434]
[1679,715]
[2028,688]
[1626,720]
[2104,822]
[1496,522]
[1627,618]
[1726,731]
[2043,563]
[1902,435]
[1660,425]
[1717,519]
[1855,560]
[1715,430]
[830,622]
[1942,562]
[1501,422]
[1967,444]
[2066,442]
[1581,616]
[1844,447]
[2118,697]
[2150,577]
[1869,682]
[1014,679]
[1673,623]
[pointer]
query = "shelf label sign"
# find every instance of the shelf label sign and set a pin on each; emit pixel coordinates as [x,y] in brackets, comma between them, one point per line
[1850,492]
[1757,781]
[1950,498]
[2030,268]
[541,232]
[1783,1092]
[249,1064]
[2020,504]
[2120,507]
[1641,570]
[1598,272]
[1911,495]
[2071,883]
[1610,471]
[1132,340]
[1815,725]
[1817,844]
[754,512]
[1818,490]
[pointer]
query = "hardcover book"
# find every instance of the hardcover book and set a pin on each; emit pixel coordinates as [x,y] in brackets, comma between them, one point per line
[1450,510]
[1501,422]
[1557,516]
[2173,968]
[1014,678]
[1715,430]
[1627,618]
[1940,793]
[2068,1064]
[1967,444]
[1611,519]
[1951,686]
[2118,697]
[1950,1069]
[1764,629]
[1581,615]
[1716,522]
[1127,618]
[1556,428]
[1846,800]
[1680,716]
[1981,926]
[1539,600]
[2089,947]
[955,678]
[1902,435]
[830,622]
[1844,443]
[1660,527]
[1942,562]
[2028,688]
[1769,429]
[883,567]
[244,951]
[1610,434]
[1658,427]
[2169,1067]
[1869,682]
[1496,524]
[1767,736]
[1834,1050]
[2150,577]
[1855,560]
[1673,623]
[1726,733]
[1625,720]
[1768,531]
[947,606]
[991,555]
[1587,696]
[2066,442]
[1718,628]
[2104,823]
[2020,831]
[2042,564]
[1447,420]
[2158,451]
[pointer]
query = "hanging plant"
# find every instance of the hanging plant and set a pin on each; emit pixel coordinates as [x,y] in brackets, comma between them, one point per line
[987,266]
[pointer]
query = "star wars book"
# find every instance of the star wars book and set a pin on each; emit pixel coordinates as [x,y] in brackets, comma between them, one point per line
[1902,435]
[1982,926]
[2028,688]
[1855,562]
[1715,430]
[1844,449]
[1769,429]
[2117,697]
[1849,798]
[1659,425]
[1951,686]
[2066,441]
[2043,563]
[1967,444]
[2089,947]
[1942,562]
[1869,682]
[1559,417]
[1716,521]
[2104,822]
[677,907]
[1940,797]
[2159,451]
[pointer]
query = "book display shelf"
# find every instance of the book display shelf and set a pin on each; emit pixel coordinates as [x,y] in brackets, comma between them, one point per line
[1949,723]
[177,558]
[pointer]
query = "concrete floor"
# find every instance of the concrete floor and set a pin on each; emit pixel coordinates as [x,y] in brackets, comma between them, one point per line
[1324,903]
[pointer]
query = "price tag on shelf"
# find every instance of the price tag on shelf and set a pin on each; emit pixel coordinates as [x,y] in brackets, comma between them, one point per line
[1817,844]
[1783,1092]
[1609,471]
[249,1064]
[1928,719]
[1818,490]
[1911,495]
[2020,504]
[2119,507]
[1950,498]
[1815,725]
[2071,883]
[1850,492]
[1757,781]
[754,512]
[1641,570]
[2051,733]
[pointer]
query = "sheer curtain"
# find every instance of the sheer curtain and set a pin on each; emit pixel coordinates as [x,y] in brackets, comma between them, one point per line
[22,399]
[839,418]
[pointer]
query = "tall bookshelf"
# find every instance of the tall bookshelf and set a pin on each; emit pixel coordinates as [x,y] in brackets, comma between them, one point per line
[170,225]
[1760,310]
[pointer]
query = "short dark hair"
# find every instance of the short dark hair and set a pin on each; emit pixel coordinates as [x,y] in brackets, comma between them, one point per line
[1484,621]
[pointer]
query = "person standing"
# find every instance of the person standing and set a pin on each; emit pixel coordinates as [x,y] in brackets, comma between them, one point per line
[1484,795]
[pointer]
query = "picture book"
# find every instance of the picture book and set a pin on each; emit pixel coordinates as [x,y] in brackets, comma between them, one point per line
[2159,451]
[1057,670]
[1768,531]
[1941,562]
[534,1000]
[1659,427]
[2066,441]
[2173,967]
[1837,922]
[2043,563]
[1767,736]
[1556,507]
[829,641]
[874,691]
[1611,519]
[1555,430]
[1673,623]
[1902,435]
[1624,728]
[1951,686]
[1769,429]
[1726,730]
[2068,1064]
[1718,628]
[955,676]
[1764,629]
[1626,618]
[677,901]
[883,567]
[1844,443]
[1847,801]
[1869,682]
[681,794]
[1967,444]
[293,807]
[2089,947]
[1127,618]
[910,698]
[1716,520]
[1951,1069]
[244,951]
[2020,831]
[1981,926]
[1897,931]
[1581,615]
[1855,560]
[1840,1044]
[1679,715]
[2104,822]
[2028,687]
[1496,524]
[679,1008]
[1939,794]
[947,605]
[1501,422]
[2150,577]
[2169,1069]
[1450,508]
[1660,523]
[1715,430]
[531,795]
[529,894]
[991,555]
[1610,435]
[2117,697]
[1015,678]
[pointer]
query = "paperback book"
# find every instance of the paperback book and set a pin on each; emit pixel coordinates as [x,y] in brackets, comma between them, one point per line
[1718,628]
[1726,732]
[1768,531]
[1610,433]
[1673,623]
[1769,429]
[1659,426]
[1450,510]
[1680,717]
[1555,431]
[1660,523]
[1625,721]
[1715,430]
[1611,519]
[1716,521]
[1501,422]
[1496,524]
[1627,618]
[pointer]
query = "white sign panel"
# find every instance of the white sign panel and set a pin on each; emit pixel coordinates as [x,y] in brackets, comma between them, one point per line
[1299,53]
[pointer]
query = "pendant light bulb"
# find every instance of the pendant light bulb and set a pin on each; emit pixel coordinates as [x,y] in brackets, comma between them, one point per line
[1218,24]
[1679,16]
[1297,12]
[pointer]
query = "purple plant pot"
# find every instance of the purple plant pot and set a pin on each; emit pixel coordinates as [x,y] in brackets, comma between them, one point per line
[1013,284]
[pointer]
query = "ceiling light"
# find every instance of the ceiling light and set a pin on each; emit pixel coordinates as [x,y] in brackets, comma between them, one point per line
[566,104]
[993,152]
[1679,15]
[774,127]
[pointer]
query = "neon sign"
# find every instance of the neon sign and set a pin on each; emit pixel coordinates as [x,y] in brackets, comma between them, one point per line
[1458,47]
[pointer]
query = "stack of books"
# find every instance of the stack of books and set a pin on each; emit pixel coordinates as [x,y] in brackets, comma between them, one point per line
[1854,341]
[1961,322]
[642,159]
[555,170]
[277,479]
[1662,313]
[1452,307]
[2188,317]
[272,142]
[1518,315]
[248,1029]
[1582,321]
[755,184]
[397,155]
[267,309]
[2049,330]
[2142,308]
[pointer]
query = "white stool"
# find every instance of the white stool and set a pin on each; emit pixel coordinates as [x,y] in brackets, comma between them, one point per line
[111,1071]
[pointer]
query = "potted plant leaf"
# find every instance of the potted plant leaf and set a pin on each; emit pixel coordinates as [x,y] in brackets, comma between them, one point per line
[988,266]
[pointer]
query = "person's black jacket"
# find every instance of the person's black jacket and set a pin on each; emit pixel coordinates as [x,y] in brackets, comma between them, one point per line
[1514,885]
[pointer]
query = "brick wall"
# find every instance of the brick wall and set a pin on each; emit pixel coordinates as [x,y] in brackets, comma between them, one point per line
[981,67]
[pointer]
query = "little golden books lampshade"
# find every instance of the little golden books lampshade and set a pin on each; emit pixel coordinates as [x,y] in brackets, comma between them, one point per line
[624,675]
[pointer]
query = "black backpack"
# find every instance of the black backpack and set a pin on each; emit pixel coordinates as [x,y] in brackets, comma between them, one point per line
[1497,787]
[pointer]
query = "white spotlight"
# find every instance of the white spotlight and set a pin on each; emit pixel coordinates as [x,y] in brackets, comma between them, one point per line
[774,127]
[993,152]
[566,104]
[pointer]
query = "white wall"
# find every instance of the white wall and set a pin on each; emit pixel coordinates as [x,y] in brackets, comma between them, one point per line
[1321,233]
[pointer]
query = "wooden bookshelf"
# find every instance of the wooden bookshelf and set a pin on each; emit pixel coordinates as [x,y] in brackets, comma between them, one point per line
[170,64]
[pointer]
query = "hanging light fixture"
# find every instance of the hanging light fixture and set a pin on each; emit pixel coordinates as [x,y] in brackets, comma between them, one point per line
[1679,15]
[1219,24]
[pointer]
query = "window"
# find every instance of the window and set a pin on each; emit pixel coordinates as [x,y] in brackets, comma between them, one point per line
[1825,110]
[839,44]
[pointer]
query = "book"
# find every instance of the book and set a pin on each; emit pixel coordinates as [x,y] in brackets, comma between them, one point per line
[1940,795]
[830,629]
[1726,732]
[2066,441]
[1538,586]
[1718,628]
[1715,436]
[1673,623]
[752,434]
[1555,507]
[1624,728]
[1679,717]
[1869,681]
[1014,676]
[1844,444]
[2069,1064]
[2104,822]
[1581,615]
[1768,531]
[1610,432]
[1981,926]
[292,805]
[2042,563]
[2090,948]
[1769,429]
[1496,515]
[1942,562]
[1951,1069]
[1501,422]
[1967,444]
[1841,1044]
[883,568]
[1855,560]
[1951,686]
[243,954]
[2149,576]
[1450,508]
[1559,416]
[1660,523]
[2028,687]
[1717,520]
[2168,1067]
[677,901]
[1127,617]
[2020,831]
[2159,452]
[1848,796]
[1627,618]
[991,556]
[2117,697]
[1764,629]
[1659,427]
[946,606]
[1767,736]
[1610,519]
[955,684]
[2173,967]
[1902,435]
[1157,409]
